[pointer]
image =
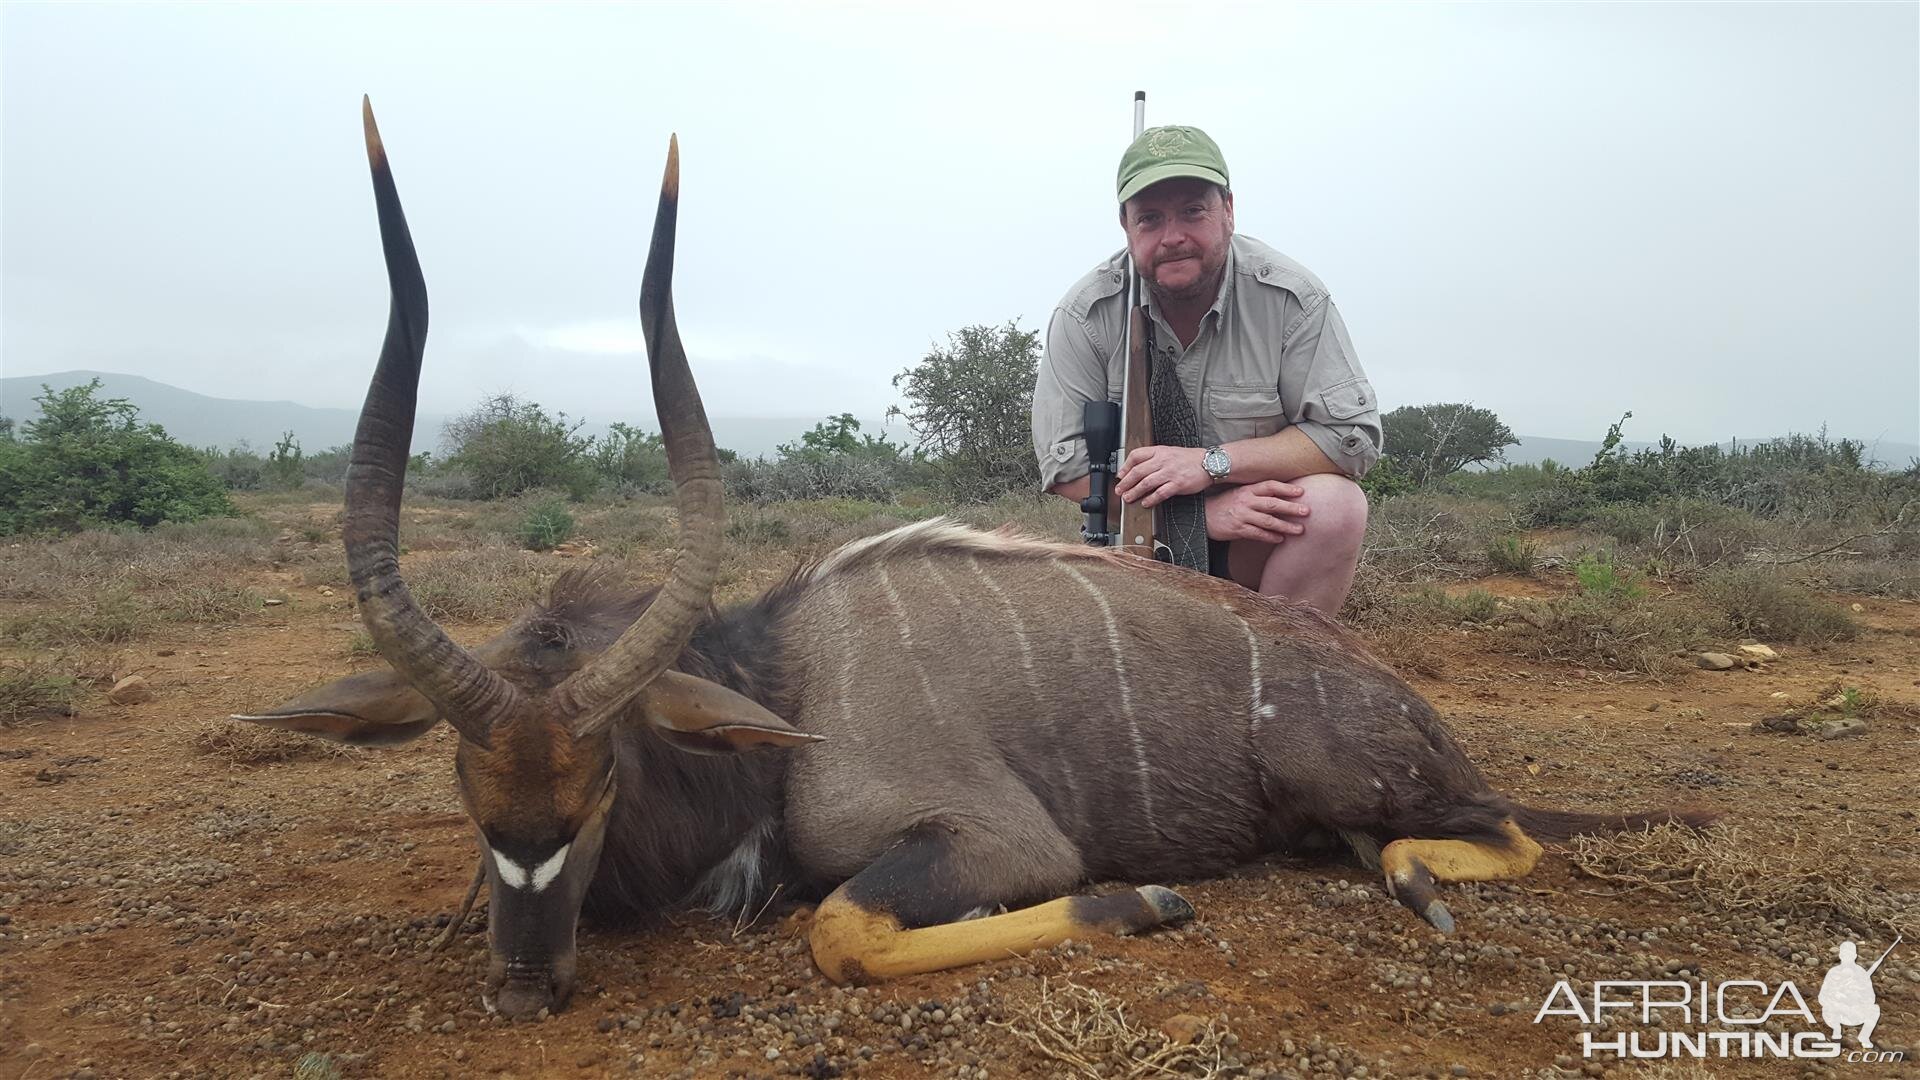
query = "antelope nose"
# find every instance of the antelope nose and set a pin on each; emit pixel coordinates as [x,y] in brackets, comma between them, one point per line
[522,999]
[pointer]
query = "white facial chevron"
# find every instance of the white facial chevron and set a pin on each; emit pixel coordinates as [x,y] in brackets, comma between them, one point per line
[516,876]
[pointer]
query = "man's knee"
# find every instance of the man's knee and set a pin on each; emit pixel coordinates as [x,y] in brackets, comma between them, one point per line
[1338,508]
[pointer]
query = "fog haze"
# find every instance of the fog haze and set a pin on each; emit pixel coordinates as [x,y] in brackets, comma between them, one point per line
[1707,214]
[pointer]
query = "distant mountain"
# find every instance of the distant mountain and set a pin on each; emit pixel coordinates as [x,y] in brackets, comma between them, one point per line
[199,420]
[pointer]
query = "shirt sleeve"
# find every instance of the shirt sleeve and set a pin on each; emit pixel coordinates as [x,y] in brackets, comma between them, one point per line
[1328,397]
[1072,373]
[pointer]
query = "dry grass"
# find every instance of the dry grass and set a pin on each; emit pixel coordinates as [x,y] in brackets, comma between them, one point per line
[105,616]
[214,603]
[1762,602]
[1087,1034]
[1611,631]
[33,689]
[1718,869]
[242,743]
[494,581]
[1876,576]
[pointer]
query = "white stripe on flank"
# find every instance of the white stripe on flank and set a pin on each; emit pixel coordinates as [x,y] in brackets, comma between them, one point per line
[544,874]
[1320,692]
[1126,692]
[510,872]
[835,596]
[1063,761]
[1256,708]
[906,640]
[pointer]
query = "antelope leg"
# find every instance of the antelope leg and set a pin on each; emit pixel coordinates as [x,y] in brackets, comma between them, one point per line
[906,913]
[1413,866]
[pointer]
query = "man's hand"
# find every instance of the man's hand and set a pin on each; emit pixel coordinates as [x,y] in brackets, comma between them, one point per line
[1262,511]
[1153,474]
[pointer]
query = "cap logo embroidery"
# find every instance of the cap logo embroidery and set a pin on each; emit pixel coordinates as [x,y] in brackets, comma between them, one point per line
[1165,142]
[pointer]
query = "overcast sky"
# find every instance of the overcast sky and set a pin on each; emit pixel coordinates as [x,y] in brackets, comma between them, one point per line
[1707,214]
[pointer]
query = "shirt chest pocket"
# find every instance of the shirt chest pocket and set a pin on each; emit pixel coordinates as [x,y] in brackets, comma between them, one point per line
[1245,412]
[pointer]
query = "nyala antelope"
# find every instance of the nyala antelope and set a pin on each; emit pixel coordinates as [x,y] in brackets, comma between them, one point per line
[942,732]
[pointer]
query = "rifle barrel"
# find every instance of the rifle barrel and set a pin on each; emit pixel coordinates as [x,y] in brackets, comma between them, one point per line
[1897,939]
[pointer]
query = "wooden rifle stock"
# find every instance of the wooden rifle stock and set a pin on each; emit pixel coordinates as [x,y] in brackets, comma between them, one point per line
[1133,525]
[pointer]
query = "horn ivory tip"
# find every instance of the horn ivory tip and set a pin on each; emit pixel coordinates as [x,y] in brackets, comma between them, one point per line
[670,184]
[376,150]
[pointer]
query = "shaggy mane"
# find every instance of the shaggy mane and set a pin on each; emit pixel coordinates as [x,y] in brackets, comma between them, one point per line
[937,535]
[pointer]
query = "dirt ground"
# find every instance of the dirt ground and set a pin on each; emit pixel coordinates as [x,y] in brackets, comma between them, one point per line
[170,911]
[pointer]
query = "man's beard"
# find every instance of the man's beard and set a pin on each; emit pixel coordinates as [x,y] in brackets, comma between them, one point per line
[1205,287]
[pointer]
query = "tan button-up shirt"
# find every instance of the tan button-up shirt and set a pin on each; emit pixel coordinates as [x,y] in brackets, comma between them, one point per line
[1271,352]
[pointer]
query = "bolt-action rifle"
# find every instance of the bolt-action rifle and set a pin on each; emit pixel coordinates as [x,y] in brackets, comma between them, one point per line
[1116,429]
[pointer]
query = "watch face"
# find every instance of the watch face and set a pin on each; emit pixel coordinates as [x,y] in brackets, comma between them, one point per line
[1216,463]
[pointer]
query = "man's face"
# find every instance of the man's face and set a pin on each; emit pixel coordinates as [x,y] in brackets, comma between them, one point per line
[1178,231]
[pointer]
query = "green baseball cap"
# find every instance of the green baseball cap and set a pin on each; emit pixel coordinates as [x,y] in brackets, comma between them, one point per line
[1163,153]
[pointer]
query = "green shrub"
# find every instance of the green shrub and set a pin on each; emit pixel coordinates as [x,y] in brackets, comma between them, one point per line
[1598,575]
[1513,555]
[546,526]
[284,468]
[237,468]
[504,446]
[1428,443]
[633,459]
[1757,602]
[970,405]
[87,462]
[1473,606]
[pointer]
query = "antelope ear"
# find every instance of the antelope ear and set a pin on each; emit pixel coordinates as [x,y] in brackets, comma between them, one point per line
[707,718]
[373,708]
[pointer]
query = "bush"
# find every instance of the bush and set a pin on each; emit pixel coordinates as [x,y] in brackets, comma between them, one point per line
[1427,443]
[34,689]
[1603,629]
[1473,606]
[1807,478]
[1756,602]
[634,459]
[88,462]
[330,465]
[504,446]
[971,408]
[546,526]
[284,466]
[1513,555]
[1599,576]
[809,476]
[237,468]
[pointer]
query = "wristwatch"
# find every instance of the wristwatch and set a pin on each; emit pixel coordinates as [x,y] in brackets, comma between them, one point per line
[1217,463]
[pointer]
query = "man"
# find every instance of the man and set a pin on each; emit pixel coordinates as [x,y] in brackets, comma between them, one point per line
[1263,416]
[1846,996]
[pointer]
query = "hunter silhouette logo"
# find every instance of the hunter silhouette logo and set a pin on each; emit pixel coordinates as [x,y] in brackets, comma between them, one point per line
[1846,994]
[1735,1018]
